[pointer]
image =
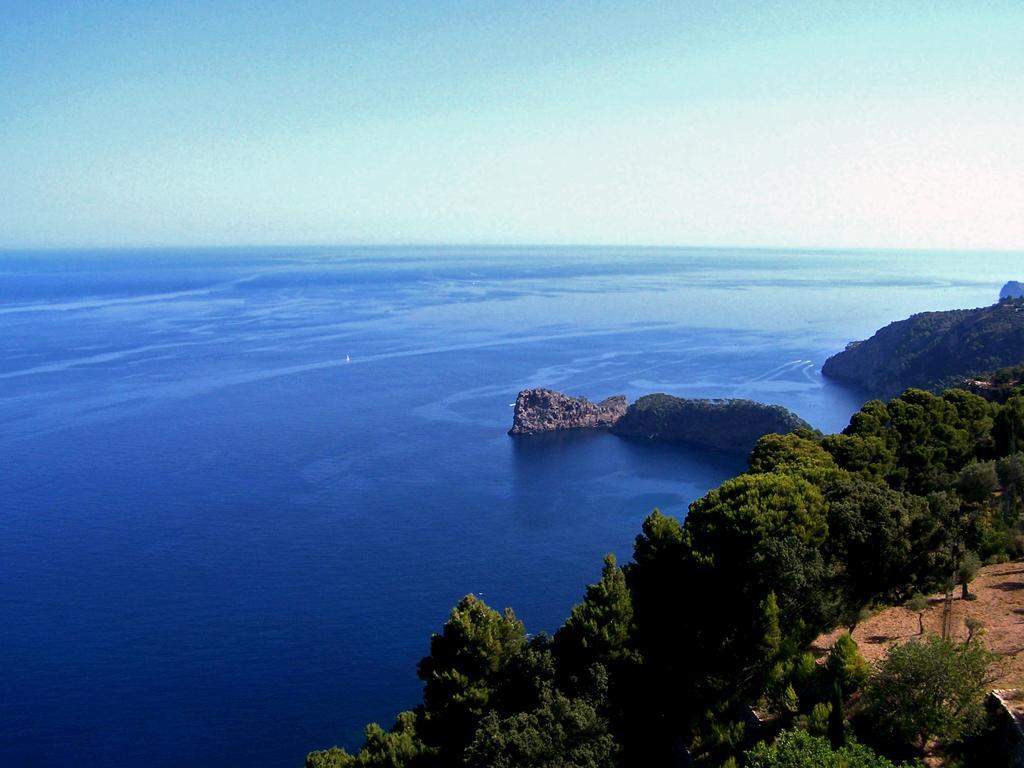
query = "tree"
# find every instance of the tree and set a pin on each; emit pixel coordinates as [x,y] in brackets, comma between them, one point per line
[974,627]
[599,628]
[870,529]
[918,603]
[462,673]
[977,482]
[756,534]
[932,689]
[929,438]
[975,416]
[932,439]
[872,457]
[1008,429]
[1010,471]
[659,579]
[793,454]
[797,749]
[560,733]
[400,747]
[969,567]
[846,664]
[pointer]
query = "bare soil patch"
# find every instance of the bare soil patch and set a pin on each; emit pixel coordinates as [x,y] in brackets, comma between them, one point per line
[999,607]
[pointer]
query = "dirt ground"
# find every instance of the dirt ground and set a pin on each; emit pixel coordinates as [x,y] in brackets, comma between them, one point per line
[1000,607]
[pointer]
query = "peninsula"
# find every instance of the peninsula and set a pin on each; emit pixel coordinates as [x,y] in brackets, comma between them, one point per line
[933,350]
[726,425]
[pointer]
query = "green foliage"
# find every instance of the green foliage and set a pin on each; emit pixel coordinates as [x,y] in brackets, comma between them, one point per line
[751,508]
[559,733]
[1010,471]
[716,612]
[796,749]
[926,438]
[732,425]
[771,633]
[818,720]
[917,602]
[789,702]
[871,537]
[720,740]
[932,689]
[1008,429]
[804,668]
[975,416]
[977,482]
[847,666]
[599,628]
[754,531]
[870,456]
[969,567]
[934,348]
[933,440]
[793,454]
[396,748]
[335,757]
[461,675]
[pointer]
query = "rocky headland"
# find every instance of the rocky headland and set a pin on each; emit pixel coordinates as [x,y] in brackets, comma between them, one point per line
[933,350]
[727,425]
[544,410]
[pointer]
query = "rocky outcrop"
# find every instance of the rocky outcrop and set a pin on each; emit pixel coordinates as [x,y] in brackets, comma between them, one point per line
[1012,290]
[726,425]
[544,410]
[933,350]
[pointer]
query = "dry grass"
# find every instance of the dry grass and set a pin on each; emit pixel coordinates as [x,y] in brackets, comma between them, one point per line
[999,607]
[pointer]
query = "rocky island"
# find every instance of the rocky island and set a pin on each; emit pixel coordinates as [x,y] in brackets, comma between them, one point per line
[544,410]
[727,425]
[933,350]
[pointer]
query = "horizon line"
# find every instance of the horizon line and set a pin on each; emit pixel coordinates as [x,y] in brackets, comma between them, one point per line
[6,249]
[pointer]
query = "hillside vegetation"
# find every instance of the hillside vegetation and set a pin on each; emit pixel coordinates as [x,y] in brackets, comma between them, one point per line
[662,659]
[932,350]
[726,425]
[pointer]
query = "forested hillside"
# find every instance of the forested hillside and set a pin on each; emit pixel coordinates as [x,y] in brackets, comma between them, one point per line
[932,350]
[697,649]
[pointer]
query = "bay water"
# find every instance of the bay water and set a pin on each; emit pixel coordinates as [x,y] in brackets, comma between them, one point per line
[241,487]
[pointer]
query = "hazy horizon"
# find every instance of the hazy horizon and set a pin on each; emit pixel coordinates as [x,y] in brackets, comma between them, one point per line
[804,125]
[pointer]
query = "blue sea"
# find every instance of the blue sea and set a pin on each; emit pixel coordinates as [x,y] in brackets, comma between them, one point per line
[241,487]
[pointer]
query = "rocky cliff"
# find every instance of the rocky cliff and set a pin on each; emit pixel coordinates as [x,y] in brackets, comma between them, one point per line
[1012,290]
[933,349]
[544,410]
[728,425]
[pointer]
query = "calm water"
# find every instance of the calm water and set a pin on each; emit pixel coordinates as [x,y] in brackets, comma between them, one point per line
[242,487]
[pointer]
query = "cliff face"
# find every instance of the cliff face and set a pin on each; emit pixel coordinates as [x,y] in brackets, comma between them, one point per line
[544,410]
[728,425]
[933,349]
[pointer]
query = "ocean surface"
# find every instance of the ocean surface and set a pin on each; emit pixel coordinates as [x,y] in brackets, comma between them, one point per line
[241,487]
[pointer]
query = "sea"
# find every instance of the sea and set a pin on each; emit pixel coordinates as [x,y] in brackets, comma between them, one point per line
[241,487]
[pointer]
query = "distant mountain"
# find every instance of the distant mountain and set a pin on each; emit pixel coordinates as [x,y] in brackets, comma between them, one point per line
[1012,290]
[933,350]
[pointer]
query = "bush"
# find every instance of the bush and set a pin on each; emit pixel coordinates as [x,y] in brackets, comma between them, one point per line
[796,749]
[927,690]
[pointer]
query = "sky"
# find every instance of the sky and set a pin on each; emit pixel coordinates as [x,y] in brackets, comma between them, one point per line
[783,124]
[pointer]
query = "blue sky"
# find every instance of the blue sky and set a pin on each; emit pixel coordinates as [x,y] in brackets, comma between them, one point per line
[895,124]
